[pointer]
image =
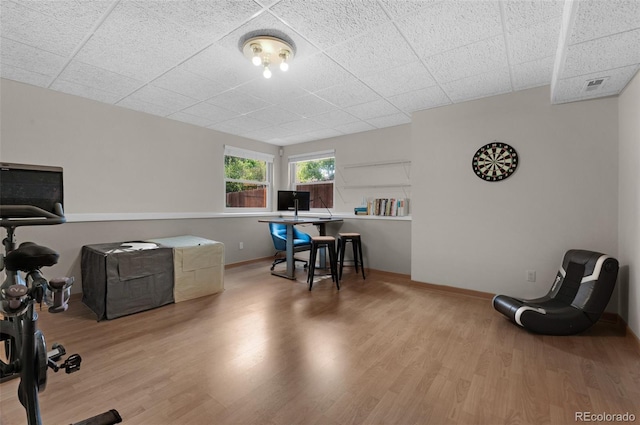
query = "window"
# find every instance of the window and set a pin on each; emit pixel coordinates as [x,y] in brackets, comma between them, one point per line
[314,172]
[247,178]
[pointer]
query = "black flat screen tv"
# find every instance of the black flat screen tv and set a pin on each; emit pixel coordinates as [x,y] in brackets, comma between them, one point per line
[35,185]
[292,200]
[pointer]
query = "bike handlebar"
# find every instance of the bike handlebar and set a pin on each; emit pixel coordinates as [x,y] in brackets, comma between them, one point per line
[30,215]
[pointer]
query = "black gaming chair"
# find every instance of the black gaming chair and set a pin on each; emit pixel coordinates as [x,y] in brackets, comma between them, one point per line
[579,295]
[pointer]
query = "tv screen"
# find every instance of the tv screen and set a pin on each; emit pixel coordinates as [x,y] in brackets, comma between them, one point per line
[35,185]
[287,198]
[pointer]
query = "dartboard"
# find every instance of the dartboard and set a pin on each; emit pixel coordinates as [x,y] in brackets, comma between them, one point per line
[495,161]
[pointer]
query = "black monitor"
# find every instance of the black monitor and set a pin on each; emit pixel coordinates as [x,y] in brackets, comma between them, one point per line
[293,200]
[31,185]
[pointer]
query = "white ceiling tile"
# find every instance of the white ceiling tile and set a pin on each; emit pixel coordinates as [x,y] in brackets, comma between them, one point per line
[373,51]
[597,18]
[237,101]
[472,59]
[488,84]
[317,72]
[225,67]
[375,109]
[275,90]
[98,78]
[448,25]
[29,58]
[571,89]
[274,115]
[401,79]
[303,125]
[138,43]
[166,98]
[24,76]
[184,59]
[272,134]
[354,127]
[207,19]
[430,97]
[79,13]
[533,42]
[610,52]
[30,27]
[211,112]
[307,106]
[348,94]
[398,9]
[181,81]
[389,120]
[85,91]
[532,74]
[190,119]
[324,133]
[335,118]
[330,23]
[241,124]
[521,13]
[149,108]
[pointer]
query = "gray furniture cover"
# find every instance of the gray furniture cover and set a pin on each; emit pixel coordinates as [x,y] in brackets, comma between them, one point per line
[125,278]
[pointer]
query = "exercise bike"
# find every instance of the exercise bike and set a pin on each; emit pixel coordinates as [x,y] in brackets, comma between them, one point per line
[24,344]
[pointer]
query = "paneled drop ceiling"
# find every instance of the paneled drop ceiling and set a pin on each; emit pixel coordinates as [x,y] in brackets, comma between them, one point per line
[359,65]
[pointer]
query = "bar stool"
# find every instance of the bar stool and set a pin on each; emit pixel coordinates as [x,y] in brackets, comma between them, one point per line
[356,243]
[318,242]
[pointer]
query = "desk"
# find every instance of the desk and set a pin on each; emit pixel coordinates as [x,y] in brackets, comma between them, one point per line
[290,222]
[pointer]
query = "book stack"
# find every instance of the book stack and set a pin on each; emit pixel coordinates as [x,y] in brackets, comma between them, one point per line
[392,207]
[360,210]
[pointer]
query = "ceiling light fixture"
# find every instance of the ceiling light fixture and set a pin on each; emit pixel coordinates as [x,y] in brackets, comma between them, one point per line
[266,50]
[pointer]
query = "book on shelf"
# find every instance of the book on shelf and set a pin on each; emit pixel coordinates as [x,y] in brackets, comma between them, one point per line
[390,207]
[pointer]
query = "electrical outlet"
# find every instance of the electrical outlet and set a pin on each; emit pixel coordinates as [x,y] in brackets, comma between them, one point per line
[531,275]
[241,245]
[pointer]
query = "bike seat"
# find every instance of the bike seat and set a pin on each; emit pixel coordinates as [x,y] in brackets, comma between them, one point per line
[30,256]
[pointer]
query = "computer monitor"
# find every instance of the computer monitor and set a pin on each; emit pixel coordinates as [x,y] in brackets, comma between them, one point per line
[34,185]
[293,200]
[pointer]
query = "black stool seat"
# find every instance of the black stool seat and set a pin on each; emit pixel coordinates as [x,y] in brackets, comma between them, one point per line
[30,256]
[356,243]
[318,242]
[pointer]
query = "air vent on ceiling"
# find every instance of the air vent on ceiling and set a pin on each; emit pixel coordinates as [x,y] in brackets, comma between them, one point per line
[594,84]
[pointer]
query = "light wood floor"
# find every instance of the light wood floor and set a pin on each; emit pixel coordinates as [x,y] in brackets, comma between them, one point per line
[379,351]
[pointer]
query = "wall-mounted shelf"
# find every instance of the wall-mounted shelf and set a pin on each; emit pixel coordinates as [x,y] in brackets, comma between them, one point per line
[378,164]
[362,186]
[362,176]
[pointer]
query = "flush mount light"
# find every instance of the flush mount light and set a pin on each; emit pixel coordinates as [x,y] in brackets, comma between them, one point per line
[268,50]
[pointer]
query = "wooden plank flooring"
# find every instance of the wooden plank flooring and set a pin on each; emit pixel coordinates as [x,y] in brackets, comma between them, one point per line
[379,351]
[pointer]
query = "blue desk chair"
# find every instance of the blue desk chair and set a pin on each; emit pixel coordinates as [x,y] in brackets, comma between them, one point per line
[301,242]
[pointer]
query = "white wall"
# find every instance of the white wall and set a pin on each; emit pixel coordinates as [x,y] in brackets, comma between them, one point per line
[116,160]
[629,204]
[483,236]
[386,241]
[386,144]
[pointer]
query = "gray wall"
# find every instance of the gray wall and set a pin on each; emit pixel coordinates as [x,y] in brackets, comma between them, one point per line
[116,160]
[387,241]
[464,232]
[369,148]
[483,236]
[121,166]
[69,238]
[629,204]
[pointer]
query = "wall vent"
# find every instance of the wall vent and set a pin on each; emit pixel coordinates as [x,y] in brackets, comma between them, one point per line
[594,84]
